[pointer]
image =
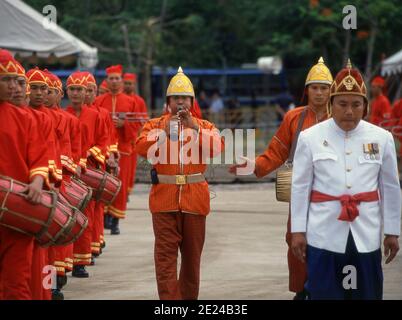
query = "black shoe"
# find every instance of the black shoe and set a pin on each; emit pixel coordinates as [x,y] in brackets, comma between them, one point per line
[302,295]
[61,282]
[107,221]
[114,229]
[57,294]
[80,272]
[103,245]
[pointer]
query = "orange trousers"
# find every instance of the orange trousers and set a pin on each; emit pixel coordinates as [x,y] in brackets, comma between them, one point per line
[297,269]
[174,231]
[118,208]
[82,247]
[16,250]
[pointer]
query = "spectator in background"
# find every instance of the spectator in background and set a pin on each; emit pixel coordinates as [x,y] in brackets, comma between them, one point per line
[216,108]
[233,114]
[203,101]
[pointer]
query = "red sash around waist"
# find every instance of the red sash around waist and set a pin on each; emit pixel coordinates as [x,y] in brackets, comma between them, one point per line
[349,202]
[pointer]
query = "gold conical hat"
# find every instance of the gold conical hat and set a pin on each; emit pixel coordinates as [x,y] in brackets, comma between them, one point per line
[180,85]
[319,73]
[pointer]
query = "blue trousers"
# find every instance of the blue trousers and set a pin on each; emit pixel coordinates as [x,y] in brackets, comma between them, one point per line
[327,275]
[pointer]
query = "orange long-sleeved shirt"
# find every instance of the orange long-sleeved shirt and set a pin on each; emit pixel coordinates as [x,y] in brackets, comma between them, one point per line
[190,198]
[278,149]
[23,150]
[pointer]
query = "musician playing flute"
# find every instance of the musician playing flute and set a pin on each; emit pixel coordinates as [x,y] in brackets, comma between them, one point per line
[179,199]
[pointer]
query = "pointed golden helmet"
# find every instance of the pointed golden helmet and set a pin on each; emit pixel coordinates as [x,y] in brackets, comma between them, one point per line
[180,85]
[319,73]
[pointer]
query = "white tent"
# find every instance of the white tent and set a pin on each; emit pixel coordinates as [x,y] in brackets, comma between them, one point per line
[392,65]
[26,31]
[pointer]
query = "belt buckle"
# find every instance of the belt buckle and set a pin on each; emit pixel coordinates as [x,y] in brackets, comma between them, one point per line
[181,179]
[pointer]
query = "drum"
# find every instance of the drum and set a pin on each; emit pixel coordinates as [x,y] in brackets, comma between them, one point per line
[77,193]
[105,186]
[47,221]
[78,225]
[283,184]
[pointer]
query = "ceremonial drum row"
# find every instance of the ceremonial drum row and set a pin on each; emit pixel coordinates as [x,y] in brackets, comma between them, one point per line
[105,186]
[58,219]
[53,221]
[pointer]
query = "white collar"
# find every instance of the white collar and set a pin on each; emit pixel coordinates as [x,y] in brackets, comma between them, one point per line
[344,133]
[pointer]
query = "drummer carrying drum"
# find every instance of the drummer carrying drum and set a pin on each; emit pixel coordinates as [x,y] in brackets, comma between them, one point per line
[23,158]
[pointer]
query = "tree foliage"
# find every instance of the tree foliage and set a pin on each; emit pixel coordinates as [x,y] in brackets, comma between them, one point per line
[220,33]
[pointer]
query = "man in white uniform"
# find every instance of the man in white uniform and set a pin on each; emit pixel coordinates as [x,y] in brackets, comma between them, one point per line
[345,193]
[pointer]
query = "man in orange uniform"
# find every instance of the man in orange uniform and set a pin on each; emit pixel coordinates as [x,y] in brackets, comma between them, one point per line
[179,199]
[130,83]
[317,87]
[23,158]
[117,104]
[59,254]
[93,140]
[70,161]
[39,255]
[38,84]
[97,234]
[380,105]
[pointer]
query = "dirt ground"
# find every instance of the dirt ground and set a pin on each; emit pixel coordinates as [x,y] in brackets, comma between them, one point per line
[244,255]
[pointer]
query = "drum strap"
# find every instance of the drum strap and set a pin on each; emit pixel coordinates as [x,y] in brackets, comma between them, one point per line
[294,142]
[3,205]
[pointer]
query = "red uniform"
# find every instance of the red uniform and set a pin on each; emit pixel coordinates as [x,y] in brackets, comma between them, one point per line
[40,257]
[70,163]
[93,142]
[133,163]
[22,157]
[396,115]
[98,228]
[380,110]
[125,135]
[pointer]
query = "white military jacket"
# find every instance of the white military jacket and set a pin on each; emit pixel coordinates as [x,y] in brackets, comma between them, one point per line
[336,162]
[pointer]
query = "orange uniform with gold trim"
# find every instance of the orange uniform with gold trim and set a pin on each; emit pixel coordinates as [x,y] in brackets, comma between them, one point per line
[189,198]
[275,156]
